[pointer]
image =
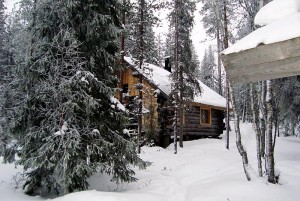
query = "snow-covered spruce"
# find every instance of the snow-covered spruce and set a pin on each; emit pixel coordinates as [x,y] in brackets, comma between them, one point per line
[67,130]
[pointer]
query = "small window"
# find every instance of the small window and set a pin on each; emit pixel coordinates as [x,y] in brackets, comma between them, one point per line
[205,116]
[125,88]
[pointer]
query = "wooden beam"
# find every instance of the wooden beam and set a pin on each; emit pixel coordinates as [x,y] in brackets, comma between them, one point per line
[265,62]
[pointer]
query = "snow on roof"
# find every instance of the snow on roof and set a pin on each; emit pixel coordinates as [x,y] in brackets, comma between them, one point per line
[281,27]
[161,78]
[276,10]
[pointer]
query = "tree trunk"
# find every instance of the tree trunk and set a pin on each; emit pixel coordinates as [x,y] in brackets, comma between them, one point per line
[239,144]
[180,68]
[181,108]
[255,115]
[141,60]
[218,46]
[263,116]
[226,41]
[228,113]
[122,48]
[244,110]
[176,75]
[269,137]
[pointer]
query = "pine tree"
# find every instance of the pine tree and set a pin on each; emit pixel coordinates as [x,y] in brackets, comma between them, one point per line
[186,64]
[208,66]
[12,99]
[132,31]
[287,91]
[2,71]
[71,126]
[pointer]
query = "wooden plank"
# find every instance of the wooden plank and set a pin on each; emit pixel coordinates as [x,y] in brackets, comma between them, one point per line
[280,69]
[264,62]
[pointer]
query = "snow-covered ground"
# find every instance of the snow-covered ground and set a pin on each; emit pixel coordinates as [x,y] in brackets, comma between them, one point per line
[202,170]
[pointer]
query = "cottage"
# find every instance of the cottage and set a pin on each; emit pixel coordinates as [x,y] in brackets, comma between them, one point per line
[204,118]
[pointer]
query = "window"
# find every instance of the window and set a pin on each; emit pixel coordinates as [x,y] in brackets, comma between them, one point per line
[205,116]
[125,88]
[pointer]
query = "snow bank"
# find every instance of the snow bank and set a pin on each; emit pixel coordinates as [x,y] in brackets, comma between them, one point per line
[202,170]
[276,10]
[107,196]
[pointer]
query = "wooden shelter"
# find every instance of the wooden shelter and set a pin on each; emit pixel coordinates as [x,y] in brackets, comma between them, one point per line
[204,118]
[264,62]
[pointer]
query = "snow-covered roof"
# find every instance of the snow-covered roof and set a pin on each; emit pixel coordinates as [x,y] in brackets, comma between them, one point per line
[276,10]
[282,20]
[161,78]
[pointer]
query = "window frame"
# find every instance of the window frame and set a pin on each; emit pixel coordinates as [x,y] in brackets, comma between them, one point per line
[209,116]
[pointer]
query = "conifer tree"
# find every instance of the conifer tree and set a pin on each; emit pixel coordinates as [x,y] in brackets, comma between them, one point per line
[182,18]
[2,69]
[71,126]
[207,70]
[133,23]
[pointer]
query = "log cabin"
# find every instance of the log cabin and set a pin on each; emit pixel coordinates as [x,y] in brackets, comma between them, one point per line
[203,118]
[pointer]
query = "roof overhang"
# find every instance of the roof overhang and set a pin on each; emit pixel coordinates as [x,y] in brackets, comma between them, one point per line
[264,62]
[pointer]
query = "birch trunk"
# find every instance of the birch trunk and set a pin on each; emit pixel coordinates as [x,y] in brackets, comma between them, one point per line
[239,144]
[263,116]
[255,115]
[269,137]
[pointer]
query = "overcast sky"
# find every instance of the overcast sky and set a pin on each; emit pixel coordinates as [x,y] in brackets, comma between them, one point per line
[198,34]
[10,4]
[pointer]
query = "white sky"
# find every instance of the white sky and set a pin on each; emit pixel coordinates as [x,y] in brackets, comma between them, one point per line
[198,33]
[10,4]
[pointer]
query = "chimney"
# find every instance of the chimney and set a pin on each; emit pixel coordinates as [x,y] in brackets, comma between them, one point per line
[168,64]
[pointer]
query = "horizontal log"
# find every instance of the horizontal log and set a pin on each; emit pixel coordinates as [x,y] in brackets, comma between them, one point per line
[199,134]
[198,129]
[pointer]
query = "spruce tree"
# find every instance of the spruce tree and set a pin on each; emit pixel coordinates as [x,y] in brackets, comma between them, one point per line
[185,83]
[2,70]
[207,70]
[132,48]
[71,126]
[15,43]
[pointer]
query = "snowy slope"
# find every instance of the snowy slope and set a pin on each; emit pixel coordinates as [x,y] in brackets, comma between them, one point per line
[202,170]
[161,78]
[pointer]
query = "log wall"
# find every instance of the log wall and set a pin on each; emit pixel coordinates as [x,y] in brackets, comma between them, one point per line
[192,127]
